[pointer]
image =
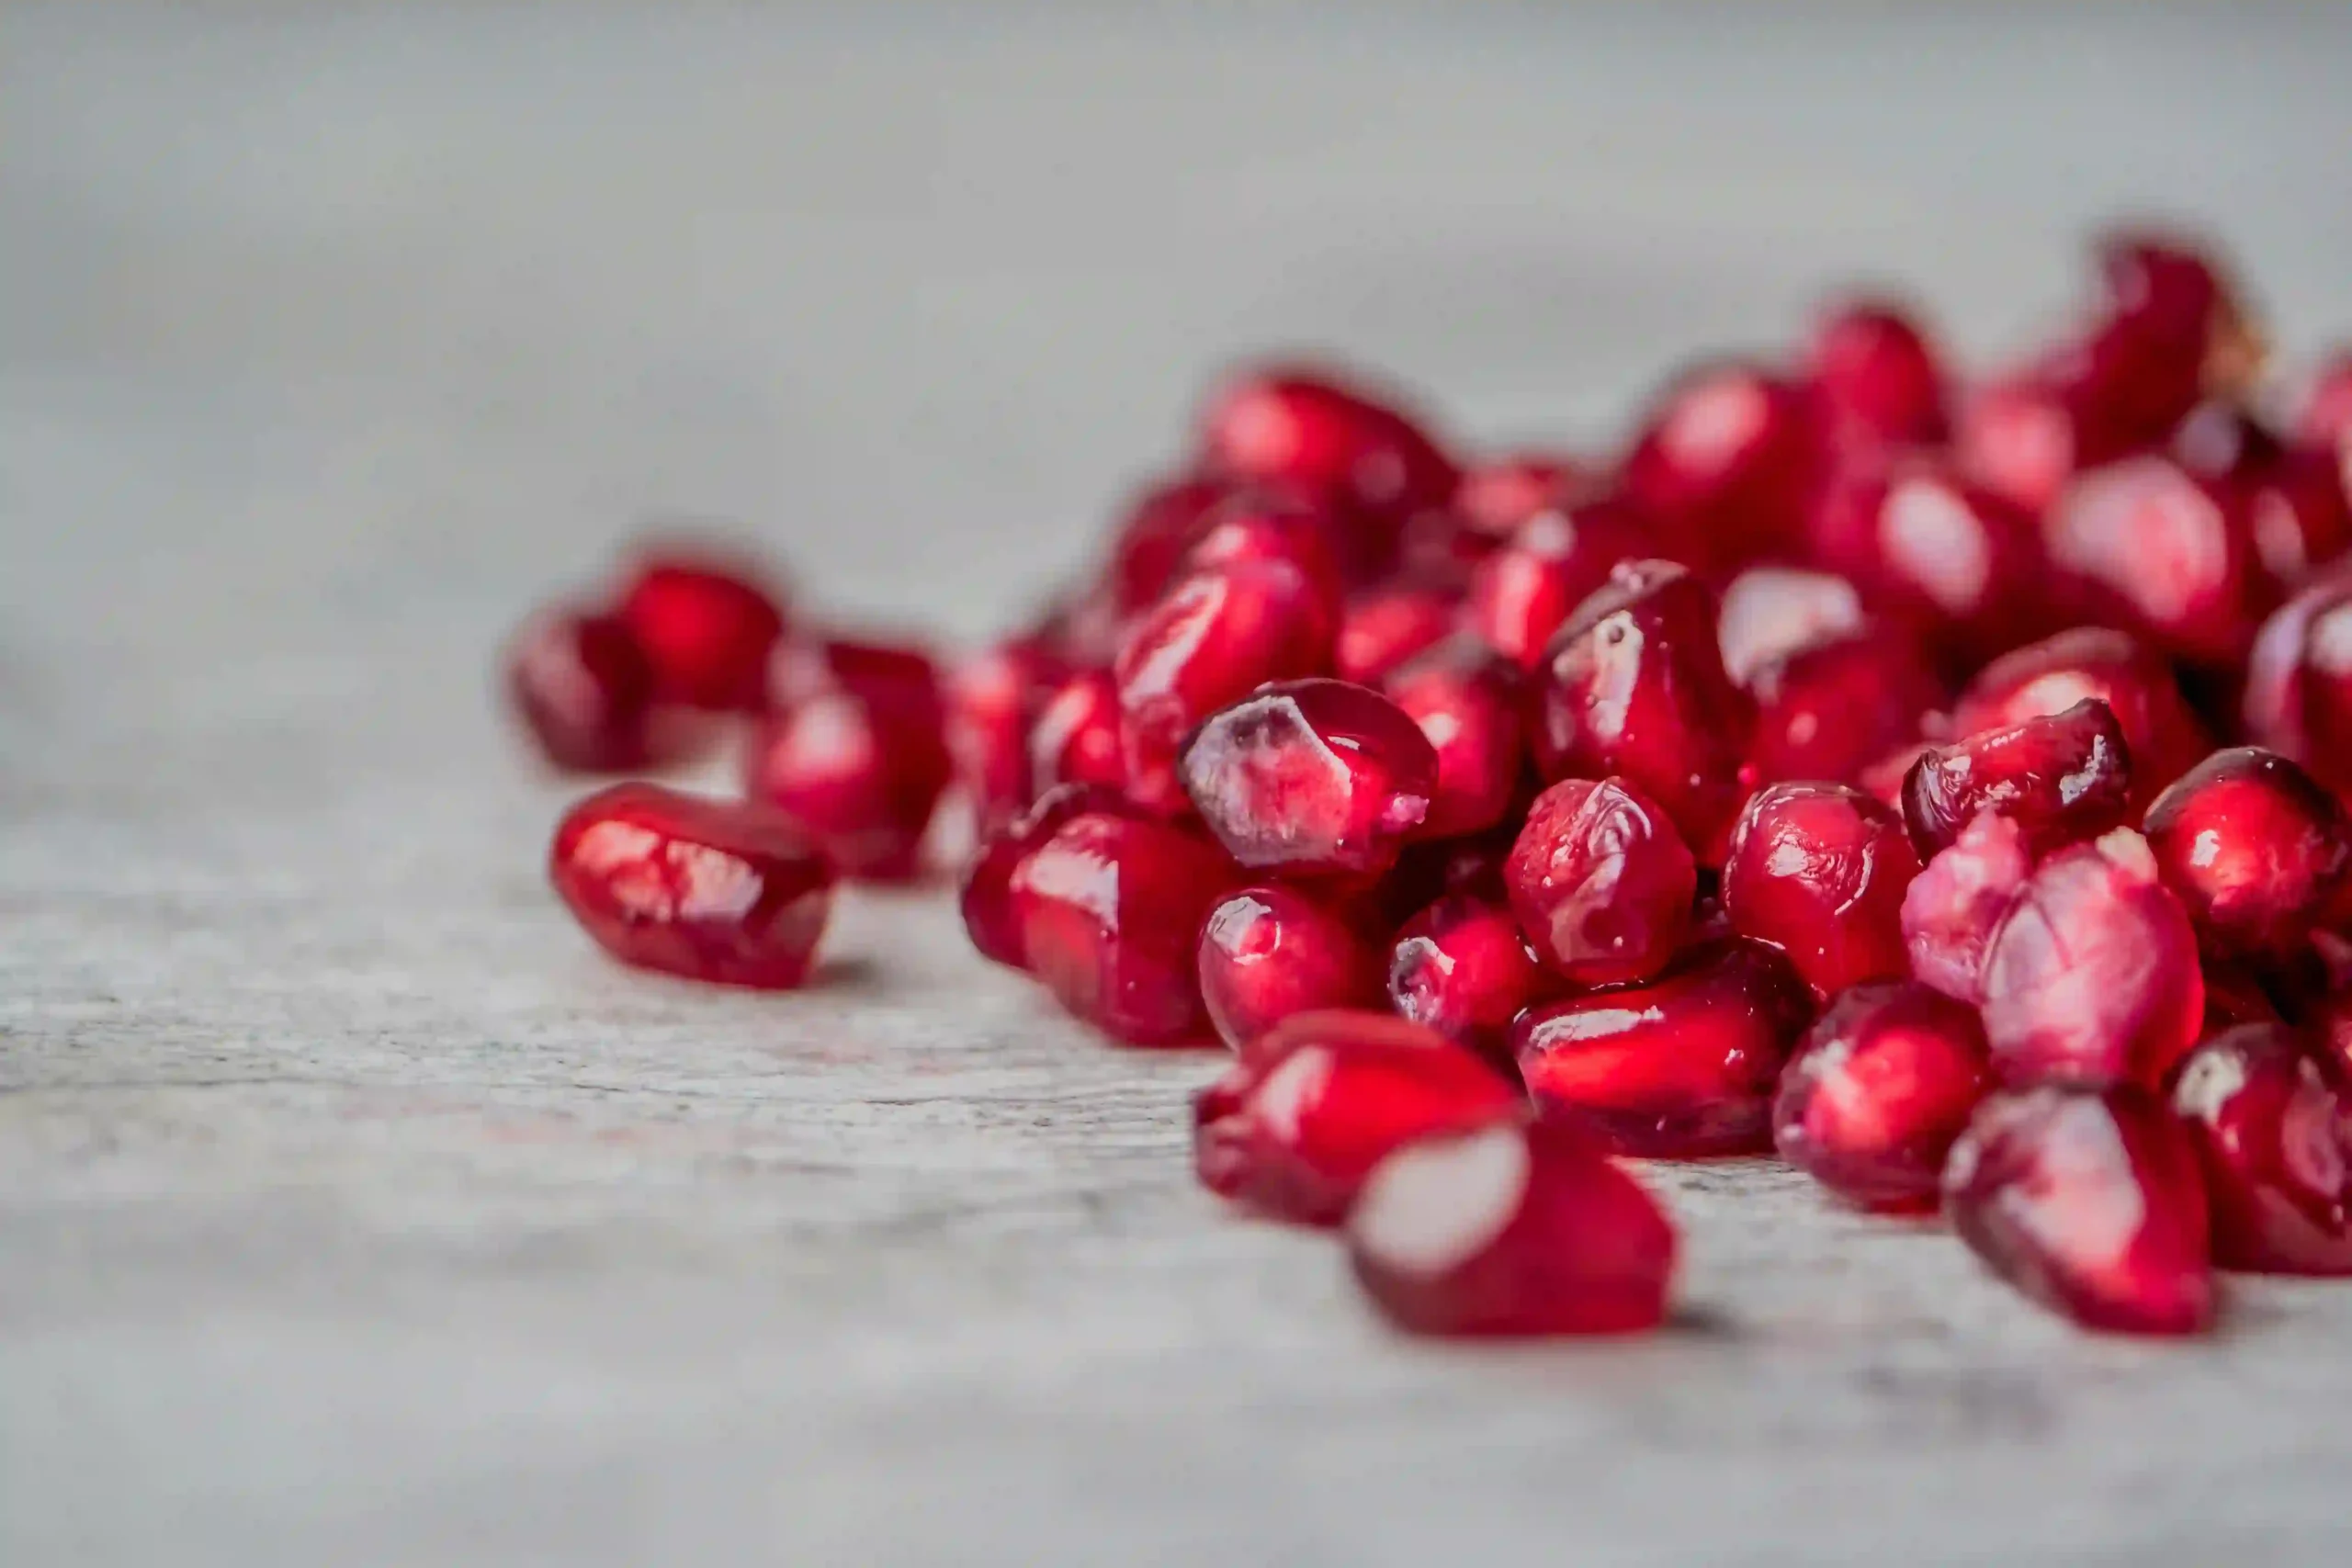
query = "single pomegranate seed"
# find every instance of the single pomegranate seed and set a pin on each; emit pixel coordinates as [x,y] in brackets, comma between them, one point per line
[1497,498]
[985,895]
[1633,685]
[711,890]
[1882,1086]
[585,690]
[2023,435]
[1957,564]
[1819,871]
[2221,441]
[2092,976]
[1520,593]
[1216,638]
[1161,523]
[2298,679]
[1271,528]
[2325,416]
[2089,1203]
[2302,511]
[2274,1129]
[1727,457]
[1601,881]
[1297,1124]
[1109,910]
[1831,710]
[2062,778]
[1467,706]
[2051,676]
[855,752]
[1461,967]
[1076,738]
[1510,1232]
[1882,779]
[1384,627]
[1958,901]
[708,623]
[1877,373]
[1771,612]
[2172,554]
[2171,323]
[1681,1068]
[993,699]
[1312,776]
[1267,953]
[2254,849]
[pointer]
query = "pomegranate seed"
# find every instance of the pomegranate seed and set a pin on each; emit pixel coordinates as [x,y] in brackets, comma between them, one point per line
[993,699]
[1261,527]
[1468,706]
[2299,680]
[1076,738]
[2253,848]
[985,896]
[2092,976]
[1633,685]
[585,690]
[1295,1127]
[1681,1068]
[2023,435]
[2048,677]
[1819,871]
[1831,710]
[1267,953]
[2301,514]
[1520,593]
[2274,1129]
[855,752]
[1600,882]
[1727,457]
[1312,776]
[1383,628]
[1497,497]
[1431,868]
[1511,1232]
[2062,778]
[710,890]
[2173,555]
[1874,369]
[1160,525]
[1882,1086]
[2171,323]
[1953,562]
[2222,441]
[1771,612]
[1461,967]
[2089,1203]
[1959,900]
[706,622]
[1882,779]
[1109,910]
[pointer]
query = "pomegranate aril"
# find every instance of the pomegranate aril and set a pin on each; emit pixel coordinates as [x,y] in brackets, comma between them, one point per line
[992,698]
[1600,882]
[1771,612]
[2063,780]
[1268,953]
[1831,710]
[710,890]
[585,690]
[1462,968]
[2169,554]
[2022,435]
[2298,699]
[1683,1068]
[2052,675]
[2253,848]
[1872,366]
[706,622]
[1883,1085]
[2300,510]
[1557,558]
[2171,322]
[1467,706]
[1296,1125]
[1161,523]
[1727,459]
[1819,871]
[1498,497]
[1511,1232]
[1382,628]
[2089,1203]
[2092,976]
[855,752]
[985,893]
[1270,527]
[1311,777]
[2273,1125]
[1076,737]
[1951,561]
[1958,901]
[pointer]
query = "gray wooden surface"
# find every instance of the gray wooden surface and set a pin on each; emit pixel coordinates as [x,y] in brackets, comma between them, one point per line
[352,1212]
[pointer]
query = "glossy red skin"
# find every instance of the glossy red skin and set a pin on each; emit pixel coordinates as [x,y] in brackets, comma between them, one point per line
[706,622]
[2092,976]
[2169,326]
[706,889]
[1683,1068]
[2165,553]
[2300,669]
[1311,778]
[2273,1126]
[1467,706]
[1831,710]
[2255,849]
[1885,1081]
[1076,738]
[1497,497]
[2325,682]
[1292,1130]
[1109,912]
[1633,684]
[1819,871]
[1161,523]
[2301,507]
[1462,968]
[1257,525]
[2089,1203]
[2063,779]
[1771,612]
[1381,628]
[855,751]
[2022,435]
[1958,901]
[1727,459]
[984,894]
[993,698]
[1959,565]
[1553,1240]
[1872,366]
[585,691]
[1270,952]
[1557,559]
[1216,638]
[1600,882]
[2052,675]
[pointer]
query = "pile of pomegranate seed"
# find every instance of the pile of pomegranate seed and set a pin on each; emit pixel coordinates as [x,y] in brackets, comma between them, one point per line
[1938,780]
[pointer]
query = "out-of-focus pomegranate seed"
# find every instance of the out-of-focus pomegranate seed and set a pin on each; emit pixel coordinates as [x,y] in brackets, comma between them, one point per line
[1159,524]
[1601,881]
[992,698]
[1467,705]
[1727,457]
[707,621]
[1831,710]
[1882,1086]
[585,690]
[1520,593]
[1498,496]
[2299,680]
[1267,953]
[1385,627]
[1076,738]
[1771,612]
[1874,367]
[1955,563]
[1819,871]
[2170,553]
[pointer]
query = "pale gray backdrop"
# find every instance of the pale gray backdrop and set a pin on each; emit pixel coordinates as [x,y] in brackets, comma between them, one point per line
[352,1212]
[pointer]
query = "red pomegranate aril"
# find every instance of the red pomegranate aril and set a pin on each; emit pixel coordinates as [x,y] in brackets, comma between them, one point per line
[1161,523]
[1462,968]
[1268,953]
[2273,1125]
[1511,1232]
[1771,612]
[992,698]
[2174,323]
[1467,706]
[1382,628]
[1076,738]
[2063,780]
[1958,901]
[855,752]
[2220,441]
[1633,684]
[1602,881]
[2048,677]
[712,890]
[2022,435]
[1727,459]
[1883,1084]
[1874,367]
[1311,777]
[2300,669]
[706,622]
[2089,1203]
[985,892]
[585,690]
[1271,528]
[2092,976]
[1882,779]
[2301,507]
[1109,910]
[1557,558]
[2324,416]
[1292,1130]
[2173,554]
[1498,497]
[1955,563]
[1683,1068]
[2255,849]
[1819,871]
[1831,710]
